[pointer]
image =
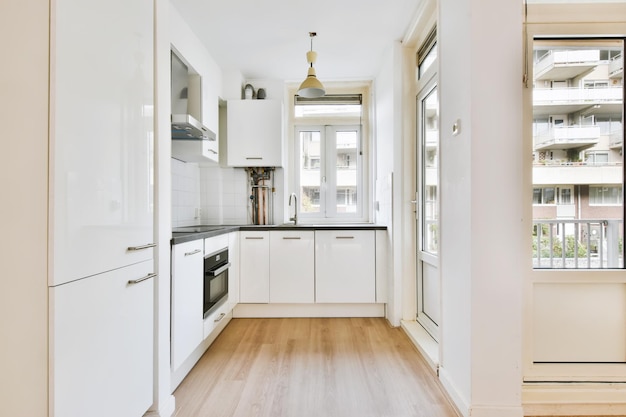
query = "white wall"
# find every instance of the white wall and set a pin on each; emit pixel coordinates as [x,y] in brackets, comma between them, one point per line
[388,150]
[481,202]
[24,208]
[164,402]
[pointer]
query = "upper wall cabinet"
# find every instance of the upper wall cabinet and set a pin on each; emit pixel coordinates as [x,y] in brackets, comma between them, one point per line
[255,133]
[101,136]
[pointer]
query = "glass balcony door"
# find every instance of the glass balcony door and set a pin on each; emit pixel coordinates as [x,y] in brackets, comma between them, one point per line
[427,213]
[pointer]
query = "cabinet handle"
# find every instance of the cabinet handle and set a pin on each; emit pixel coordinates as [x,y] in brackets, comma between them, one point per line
[212,151]
[193,253]
[254,237]
[345,237]
[220,317]
[254,157]
[142,247]
[138,280]
[291,237]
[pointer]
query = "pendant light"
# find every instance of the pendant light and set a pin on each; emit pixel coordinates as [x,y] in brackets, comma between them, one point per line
[311,87]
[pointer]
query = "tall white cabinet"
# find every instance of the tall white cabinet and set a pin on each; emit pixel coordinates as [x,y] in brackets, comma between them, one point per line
[101,208]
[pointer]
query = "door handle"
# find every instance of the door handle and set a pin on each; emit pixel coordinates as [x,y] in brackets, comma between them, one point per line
[193,253]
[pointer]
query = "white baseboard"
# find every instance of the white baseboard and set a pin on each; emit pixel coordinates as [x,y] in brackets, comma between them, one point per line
[496,411]
[166,408]
[308,310]
[423,341]
[566,399]
[459,401]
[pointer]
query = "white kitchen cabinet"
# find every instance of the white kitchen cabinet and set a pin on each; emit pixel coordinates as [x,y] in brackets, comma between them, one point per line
[345,266]
[187,305]
[292,266]
[101,344]
[201,151]
[101,136]
[233,271]
[254,252]
[254,133]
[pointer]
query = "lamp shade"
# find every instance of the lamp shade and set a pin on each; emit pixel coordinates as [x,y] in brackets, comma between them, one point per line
[311,87]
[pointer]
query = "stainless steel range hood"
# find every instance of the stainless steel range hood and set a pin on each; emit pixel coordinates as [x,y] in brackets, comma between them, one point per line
[185,126]
[187,104]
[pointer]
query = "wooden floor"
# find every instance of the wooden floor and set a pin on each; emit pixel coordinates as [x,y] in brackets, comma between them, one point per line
[330,367]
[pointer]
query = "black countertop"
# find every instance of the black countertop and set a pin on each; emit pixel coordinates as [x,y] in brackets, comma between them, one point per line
[189,233]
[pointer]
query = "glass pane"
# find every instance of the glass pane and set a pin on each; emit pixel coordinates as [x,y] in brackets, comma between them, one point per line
[428,61]
[430,176]
[346,170]
[310,179]
[328,110]
[577,142]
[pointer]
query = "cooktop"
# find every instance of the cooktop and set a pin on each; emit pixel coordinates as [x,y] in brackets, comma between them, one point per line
[197,229]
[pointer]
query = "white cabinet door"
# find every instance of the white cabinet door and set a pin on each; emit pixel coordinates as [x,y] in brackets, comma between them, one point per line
[187,293]
[233,271]
[254,251]
[345,266]
[254,134]
[292,266]
[202,151]
[101,356]
[101,134]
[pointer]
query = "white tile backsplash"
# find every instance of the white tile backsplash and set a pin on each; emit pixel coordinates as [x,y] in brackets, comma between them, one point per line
[185,193]
[224,195]
[220,193]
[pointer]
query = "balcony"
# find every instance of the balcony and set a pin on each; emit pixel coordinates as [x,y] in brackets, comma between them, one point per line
[570,100]
[578,244]
[565,65]
[576,173]
[568,137]
[616,67]
[616,139]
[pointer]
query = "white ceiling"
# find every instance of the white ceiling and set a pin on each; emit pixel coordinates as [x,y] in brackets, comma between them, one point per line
[269,39]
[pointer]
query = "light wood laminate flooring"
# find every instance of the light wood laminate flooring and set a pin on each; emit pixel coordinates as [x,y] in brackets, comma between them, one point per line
[302,367]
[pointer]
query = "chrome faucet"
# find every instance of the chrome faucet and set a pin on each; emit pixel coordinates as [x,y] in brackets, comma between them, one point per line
[295,213]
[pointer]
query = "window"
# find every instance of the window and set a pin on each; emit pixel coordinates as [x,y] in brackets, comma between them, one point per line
[577,140]
[427,54]
[609,195]
[561,195]
[329,171]
[329,158]
[597,158]
[544,195]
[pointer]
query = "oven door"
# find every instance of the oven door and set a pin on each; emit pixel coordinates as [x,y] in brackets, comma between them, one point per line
[215,280]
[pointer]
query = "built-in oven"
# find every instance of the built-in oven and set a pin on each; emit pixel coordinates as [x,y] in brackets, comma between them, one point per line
[215,280]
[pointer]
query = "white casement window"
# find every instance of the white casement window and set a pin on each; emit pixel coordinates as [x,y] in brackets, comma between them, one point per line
[605,195]
[561,195]
[329,172]
[330,158]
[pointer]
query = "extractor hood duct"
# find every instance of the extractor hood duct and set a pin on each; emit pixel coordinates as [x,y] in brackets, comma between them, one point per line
[186,97]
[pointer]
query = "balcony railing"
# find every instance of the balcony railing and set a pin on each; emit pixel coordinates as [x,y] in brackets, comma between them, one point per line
[616,66]
[616,139]
[568,137]
[578,244]
[574,95]
[580,60]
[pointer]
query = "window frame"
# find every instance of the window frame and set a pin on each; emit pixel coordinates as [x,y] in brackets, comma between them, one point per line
[365,193]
